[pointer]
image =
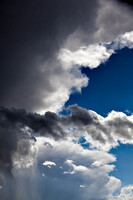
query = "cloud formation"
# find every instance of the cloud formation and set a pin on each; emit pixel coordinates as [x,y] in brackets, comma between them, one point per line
[42,143]
[101,132]
[125,194]
[44,44]
[33,33]
[75,174]
[93,55]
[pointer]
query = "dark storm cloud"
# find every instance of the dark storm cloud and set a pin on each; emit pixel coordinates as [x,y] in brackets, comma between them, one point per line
[17,123]
[79,117]
[51,124]
[32,31]
[13,125]
[41,124]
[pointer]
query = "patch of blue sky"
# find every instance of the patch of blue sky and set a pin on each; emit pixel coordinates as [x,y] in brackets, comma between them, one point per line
[110,85]
[124,163]
[82,141]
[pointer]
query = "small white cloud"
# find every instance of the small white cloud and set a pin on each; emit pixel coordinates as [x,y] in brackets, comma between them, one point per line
[82,186]
[48,164]
[96,164]
[43,174]
[75,168]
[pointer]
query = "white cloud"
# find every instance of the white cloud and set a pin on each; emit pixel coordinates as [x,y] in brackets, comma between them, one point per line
[43,174]
[93,55]
[48,164]
[125,194]
[75,168]
[78,171]
[82,186]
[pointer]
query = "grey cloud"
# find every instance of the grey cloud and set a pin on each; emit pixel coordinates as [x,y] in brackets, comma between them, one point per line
[42,124]
[32,32]
[112,20]
[16,140]
[116,126]
[79,116]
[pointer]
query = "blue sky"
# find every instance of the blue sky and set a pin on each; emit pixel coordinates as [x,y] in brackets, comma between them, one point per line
[124,164]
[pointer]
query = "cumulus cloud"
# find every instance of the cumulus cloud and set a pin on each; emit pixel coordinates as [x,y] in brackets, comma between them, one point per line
[79,168]
[75,175]
[101,132]
[87,181]
[125,194]
[93,55]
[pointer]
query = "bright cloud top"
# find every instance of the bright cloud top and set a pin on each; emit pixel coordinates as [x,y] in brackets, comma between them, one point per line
[93,55]
[75,170]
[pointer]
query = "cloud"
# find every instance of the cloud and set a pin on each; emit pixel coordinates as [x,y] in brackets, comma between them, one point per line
[35,38]
[32,35]
[23,156]
[125,194]
[31,76]
[38,182]
[110,18]
[48,164]
[18,128]
[79,168]
[100,132]
[93,55]
[78,178]
[81,186]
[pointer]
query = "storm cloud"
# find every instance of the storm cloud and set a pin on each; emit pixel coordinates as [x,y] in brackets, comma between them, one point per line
[33,33]
[43,46]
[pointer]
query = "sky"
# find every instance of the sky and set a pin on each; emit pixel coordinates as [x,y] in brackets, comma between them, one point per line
[66,111]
